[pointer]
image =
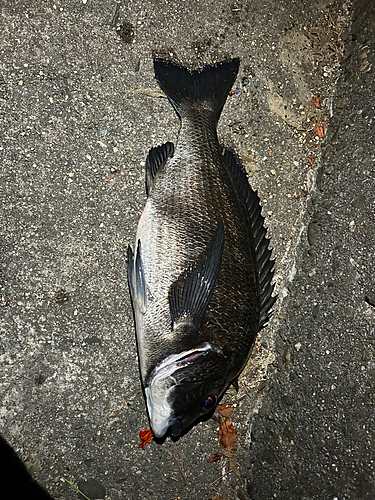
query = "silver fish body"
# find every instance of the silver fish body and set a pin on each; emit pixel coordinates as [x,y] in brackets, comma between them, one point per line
[200,278]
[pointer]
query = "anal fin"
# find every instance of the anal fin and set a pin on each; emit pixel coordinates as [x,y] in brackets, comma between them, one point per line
[156,159]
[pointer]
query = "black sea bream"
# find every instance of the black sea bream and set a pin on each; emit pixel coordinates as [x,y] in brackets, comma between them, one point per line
[200,277]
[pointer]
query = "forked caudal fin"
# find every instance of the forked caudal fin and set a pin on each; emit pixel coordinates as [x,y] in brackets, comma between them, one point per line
[211,85]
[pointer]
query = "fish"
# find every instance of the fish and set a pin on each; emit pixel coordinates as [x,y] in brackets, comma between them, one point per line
[200,276]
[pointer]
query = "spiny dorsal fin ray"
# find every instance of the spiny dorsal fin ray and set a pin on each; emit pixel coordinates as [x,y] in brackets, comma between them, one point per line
[156,159]
[191,293]
[262,253]
[263,259]
[265,312]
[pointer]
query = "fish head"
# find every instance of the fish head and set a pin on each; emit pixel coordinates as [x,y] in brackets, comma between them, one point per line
[184,387]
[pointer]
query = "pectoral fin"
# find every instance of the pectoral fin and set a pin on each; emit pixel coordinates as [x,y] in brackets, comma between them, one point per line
[130,259]
[136,279]
[191,293]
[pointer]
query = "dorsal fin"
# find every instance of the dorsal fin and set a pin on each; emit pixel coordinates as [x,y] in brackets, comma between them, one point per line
[262,253]
[156,159]
[191,293]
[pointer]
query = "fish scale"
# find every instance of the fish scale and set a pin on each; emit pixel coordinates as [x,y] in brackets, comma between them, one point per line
[200,279]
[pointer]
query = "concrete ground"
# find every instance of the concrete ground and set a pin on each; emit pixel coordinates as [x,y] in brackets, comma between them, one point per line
[79,110]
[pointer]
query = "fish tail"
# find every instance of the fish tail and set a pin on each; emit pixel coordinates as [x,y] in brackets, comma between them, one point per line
[211,85]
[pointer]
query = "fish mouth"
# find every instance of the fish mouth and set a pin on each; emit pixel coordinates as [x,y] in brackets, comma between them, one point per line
[161,383]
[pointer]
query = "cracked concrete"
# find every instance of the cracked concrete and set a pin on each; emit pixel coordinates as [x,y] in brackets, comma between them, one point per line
[80,109]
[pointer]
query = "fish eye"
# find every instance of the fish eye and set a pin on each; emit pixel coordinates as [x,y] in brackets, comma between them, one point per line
[209,404]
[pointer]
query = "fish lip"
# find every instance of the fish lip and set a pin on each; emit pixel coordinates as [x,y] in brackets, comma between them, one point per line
[160,434]
[174,426]
[158,429]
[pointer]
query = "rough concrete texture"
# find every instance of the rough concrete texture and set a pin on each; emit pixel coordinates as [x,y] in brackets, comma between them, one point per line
[80,109]
[314,435]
